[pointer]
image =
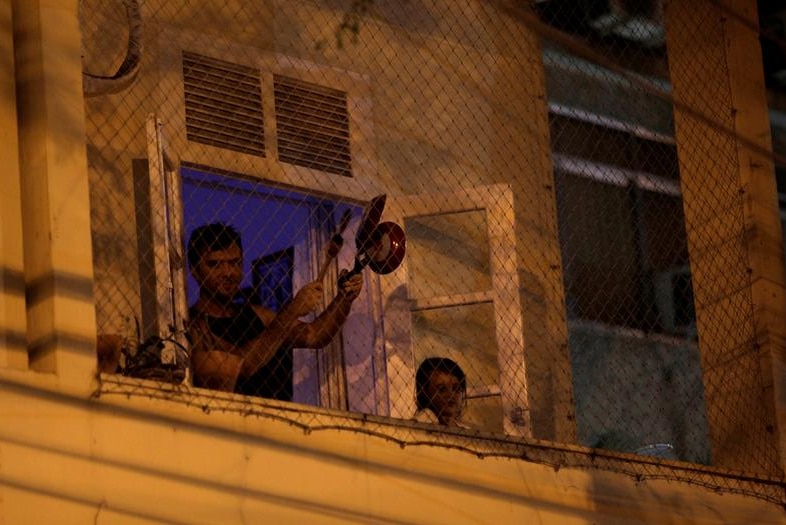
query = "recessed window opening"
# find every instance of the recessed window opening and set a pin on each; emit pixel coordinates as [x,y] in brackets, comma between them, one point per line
[279,229]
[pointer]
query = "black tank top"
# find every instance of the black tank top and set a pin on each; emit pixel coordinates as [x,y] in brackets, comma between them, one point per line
[274,379]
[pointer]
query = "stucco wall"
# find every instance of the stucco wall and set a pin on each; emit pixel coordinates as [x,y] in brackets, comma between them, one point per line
[65,459]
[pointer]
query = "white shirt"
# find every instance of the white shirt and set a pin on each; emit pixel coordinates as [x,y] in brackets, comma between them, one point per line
[426,415]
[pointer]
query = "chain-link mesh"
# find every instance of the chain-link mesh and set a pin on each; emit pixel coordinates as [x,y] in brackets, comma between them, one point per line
[245,154]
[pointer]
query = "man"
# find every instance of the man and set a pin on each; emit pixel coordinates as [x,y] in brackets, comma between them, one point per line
[237,346]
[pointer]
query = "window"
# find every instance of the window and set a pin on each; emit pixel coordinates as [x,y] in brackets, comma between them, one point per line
[628,289]
[163,306]
[466,316]
[621,229]
[284,232]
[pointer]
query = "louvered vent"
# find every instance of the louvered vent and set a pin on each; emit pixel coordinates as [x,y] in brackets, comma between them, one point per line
[312,126]
[223,104]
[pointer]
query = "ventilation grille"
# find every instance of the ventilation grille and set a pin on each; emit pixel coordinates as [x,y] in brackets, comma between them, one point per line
[312,126]
[223,104]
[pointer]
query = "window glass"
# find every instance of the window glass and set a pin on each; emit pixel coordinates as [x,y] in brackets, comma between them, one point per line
[458,241]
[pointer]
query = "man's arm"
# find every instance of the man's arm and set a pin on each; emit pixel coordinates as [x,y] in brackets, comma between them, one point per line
[219,367]
[285,328]
[324,328]
[279,328]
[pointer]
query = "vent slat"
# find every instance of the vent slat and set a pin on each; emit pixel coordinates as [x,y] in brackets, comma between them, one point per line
[320,163]
[325,128]
[328,112]
[223,96]
[318,148]
[199,77]
[316,160]
[312,126]
[239,114]
[223,104]
[292,140]
[226,134]
[288,99]
[230,120]
[202,127]
[211,87]
[319,104]
[318,128]
[217,140]
[314,141]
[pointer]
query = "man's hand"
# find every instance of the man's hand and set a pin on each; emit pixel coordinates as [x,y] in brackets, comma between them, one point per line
[307,299]
[351,287]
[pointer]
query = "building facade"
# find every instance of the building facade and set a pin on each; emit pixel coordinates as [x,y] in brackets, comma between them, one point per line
[126,126]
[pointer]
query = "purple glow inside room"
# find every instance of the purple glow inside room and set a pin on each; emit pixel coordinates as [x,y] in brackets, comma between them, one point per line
[279,229]
[271,220]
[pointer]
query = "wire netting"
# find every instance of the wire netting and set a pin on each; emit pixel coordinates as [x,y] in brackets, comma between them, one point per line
[531,239]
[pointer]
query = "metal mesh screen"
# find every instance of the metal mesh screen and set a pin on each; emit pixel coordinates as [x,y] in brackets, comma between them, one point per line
[555,288]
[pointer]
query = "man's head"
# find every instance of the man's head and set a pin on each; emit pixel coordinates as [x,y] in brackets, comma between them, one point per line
[215,256]
[441,386]
[211,237]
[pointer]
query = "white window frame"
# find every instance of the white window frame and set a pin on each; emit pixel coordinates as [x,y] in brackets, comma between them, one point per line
[497,201]
[166,223]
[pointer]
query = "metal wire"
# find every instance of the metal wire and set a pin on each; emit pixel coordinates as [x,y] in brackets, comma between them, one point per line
[545,308]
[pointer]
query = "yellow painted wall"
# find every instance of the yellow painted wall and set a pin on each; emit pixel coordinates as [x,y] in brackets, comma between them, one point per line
[12,309]
[65,459]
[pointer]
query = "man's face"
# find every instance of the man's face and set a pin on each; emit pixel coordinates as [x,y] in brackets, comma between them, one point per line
[220,272]
[444,391]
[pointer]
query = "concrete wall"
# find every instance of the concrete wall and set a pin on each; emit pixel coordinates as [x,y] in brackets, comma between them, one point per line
[12,309]
[66,459]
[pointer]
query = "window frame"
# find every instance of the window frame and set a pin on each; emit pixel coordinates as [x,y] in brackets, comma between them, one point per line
[497,201]
[634,181]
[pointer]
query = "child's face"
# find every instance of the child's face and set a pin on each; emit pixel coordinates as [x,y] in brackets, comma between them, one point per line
[446,395]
